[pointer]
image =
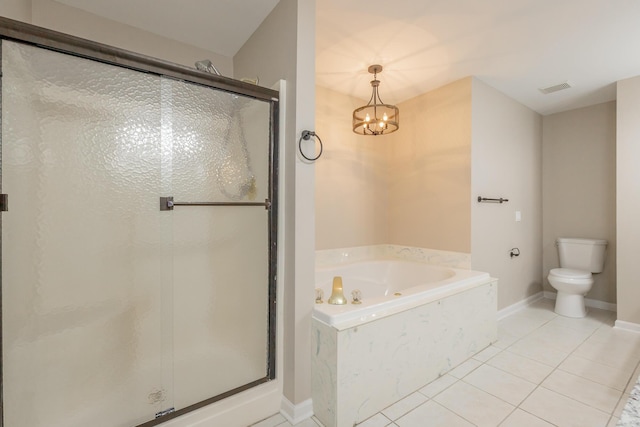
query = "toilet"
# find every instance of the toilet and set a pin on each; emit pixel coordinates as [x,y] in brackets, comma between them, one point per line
[579,258]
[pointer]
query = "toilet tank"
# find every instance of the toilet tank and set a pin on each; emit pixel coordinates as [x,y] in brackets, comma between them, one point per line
[582,254]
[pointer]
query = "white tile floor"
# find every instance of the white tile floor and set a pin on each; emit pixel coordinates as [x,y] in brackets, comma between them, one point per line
[545,370]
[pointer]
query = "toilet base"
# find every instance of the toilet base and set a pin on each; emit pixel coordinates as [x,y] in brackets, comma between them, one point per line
[570,305]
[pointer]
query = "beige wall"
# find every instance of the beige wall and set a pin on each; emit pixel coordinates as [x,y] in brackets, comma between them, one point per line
[351,177]
[628,199]
[579,187]
[283,48]
[59,17]
[430,171]
[411,187]
[506,162]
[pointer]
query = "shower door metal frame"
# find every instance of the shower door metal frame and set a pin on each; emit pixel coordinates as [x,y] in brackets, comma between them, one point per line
[16,31]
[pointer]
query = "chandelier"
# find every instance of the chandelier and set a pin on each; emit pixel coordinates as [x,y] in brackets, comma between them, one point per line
[376,118]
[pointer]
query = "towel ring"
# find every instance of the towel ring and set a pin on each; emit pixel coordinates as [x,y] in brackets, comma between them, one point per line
[306,135]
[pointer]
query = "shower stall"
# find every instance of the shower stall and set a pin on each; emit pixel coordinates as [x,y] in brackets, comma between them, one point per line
[138,234]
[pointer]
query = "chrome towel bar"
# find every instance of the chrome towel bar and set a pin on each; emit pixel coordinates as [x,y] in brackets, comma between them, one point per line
[167,203]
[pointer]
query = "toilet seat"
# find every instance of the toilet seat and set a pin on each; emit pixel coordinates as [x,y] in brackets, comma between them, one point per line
[570,273]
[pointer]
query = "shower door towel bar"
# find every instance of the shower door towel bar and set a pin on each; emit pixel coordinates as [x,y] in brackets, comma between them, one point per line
[485,199]
[167,203]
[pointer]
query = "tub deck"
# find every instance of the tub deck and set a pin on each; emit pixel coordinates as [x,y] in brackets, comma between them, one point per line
[382,297]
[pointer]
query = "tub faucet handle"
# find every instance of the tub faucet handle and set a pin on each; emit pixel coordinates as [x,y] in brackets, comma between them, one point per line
[319,296]
[356,296]
[337,296]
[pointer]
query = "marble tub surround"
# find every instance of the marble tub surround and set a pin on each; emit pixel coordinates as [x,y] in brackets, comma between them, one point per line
[329,257]
[358,371]
[430,256]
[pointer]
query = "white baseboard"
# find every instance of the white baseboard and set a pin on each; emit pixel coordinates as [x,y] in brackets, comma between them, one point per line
[627,326]
[594,303]
[519,305]
[602,305]
[296,413]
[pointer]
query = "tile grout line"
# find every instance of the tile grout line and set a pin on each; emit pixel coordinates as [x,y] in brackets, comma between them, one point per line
[572,353]
[454,412]
[393,420]
[492,395]
[516,407]
[555,368]
[540,418]
[631,378]
[558,368]
[576,400]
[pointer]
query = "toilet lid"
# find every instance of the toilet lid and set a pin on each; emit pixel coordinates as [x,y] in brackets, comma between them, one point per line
[570,273]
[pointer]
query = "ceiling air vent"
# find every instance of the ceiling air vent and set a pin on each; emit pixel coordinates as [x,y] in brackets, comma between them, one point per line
[555,88]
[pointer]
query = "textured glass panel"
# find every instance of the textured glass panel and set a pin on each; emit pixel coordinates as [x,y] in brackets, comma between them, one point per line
[82,243]
[221,300]
[223,142]
[220,152]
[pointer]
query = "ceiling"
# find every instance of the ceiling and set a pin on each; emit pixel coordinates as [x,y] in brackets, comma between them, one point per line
[516,46]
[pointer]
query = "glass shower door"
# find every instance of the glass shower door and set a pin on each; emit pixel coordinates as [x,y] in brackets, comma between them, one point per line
[83,252]
[117,308]
[219,145]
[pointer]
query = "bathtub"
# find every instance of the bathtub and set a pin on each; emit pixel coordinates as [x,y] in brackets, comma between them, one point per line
[387,287]
[415,323]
